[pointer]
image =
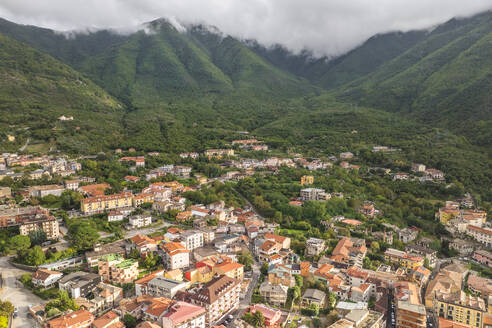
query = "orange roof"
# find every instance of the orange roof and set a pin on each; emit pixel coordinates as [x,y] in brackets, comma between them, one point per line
[105,319]
[95,189]
[103,198]
[277,238]
[352,222]
[173,248]
[144,280]
[138,239]
[445,323]
[159,306]
[354,272]
[228,267]
[174,230]
[267,245]
[71,319]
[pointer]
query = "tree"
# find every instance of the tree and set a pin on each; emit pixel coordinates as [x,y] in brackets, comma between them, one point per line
[258,319]
[375,246]
[315,308]
[37,237]
[299,281]
[19,243]
[62,302]
[332,299]
[246,259]
[150,260]
[6,308]
[35,256]
[83,235]
[129,321]
[134,254]
[264,269]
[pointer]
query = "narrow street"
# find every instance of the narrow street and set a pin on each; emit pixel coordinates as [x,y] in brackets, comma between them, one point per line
[14,292]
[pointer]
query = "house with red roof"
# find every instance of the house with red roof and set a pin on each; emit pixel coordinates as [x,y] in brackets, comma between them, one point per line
[272,316]
[184,315]
[108,320]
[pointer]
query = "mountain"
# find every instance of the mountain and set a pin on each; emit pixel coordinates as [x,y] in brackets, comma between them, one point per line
[35,89]
[333,72]
[161,63]
[445,79]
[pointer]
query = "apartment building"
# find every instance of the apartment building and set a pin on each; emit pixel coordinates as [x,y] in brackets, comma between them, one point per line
[192,239]
[482,235]
[79,284]
[460,308]
[274,294]
[219,297]
[165,287]
[231,269]
[43,191]
[404,259]
[313,194]
[409,315]
[115,268]
[184,315]
[46,223]
[175,255]
[140,220]
[103,203]
[30,218]
[77,319]
[314,246]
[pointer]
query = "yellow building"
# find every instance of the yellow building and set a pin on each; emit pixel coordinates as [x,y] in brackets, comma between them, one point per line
[232,270]
[307,179]
[139,199]
[461,308]
[106,202]
[201,275]
[404,259]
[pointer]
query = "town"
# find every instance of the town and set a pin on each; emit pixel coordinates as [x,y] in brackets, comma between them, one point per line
[238,237]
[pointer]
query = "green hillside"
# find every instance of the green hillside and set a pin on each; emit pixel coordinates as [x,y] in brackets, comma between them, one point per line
[35,89]
[445,79]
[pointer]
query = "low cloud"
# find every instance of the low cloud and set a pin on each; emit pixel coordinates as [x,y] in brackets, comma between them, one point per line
[326,27]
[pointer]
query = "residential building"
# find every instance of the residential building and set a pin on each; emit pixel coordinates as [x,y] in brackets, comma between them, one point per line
[94,190]
[43,191]
[416,167]
[115,268]
[403,259]
[28,219]
[272,316]
[314,246]
[79,284]
[361,293]
[346,155]
[77,319]
[313,194]
[164,287]
[92,257]
[218,153]
[71,184]
[282,240]
[449,280]
[407,235]
[115,216]
[47,223]
[5,192]
[139,160]
[307,179]
[427,253]
[479,285]
[350,251]
[45,278]
[231,269]
[108,320]
[157,308]
[463,247]
[410,315]
[192,239]
[140,220]
[142,243]
[184,315]
[219,297]
[363,318]
[103,203]
[461,308]
[483,257]
[142,198]
[482,235]
[274,294]
[313,296]
[175,255]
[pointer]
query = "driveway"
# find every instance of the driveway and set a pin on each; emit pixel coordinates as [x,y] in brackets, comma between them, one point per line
[19,296]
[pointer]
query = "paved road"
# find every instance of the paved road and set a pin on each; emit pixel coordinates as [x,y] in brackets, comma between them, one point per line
[18,295]
[25,145]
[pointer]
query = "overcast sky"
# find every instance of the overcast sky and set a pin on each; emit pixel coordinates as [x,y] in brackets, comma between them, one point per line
[328,27]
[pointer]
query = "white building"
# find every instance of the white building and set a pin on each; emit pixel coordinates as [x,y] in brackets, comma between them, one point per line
[139,221]
[45,278]
[184,315]
[481,235]
[313,194]
[175,256]
[192,239]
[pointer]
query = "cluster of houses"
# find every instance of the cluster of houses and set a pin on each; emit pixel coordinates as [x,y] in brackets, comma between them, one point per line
[48,166]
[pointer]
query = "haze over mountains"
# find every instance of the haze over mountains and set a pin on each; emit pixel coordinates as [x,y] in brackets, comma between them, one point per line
[148,83]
